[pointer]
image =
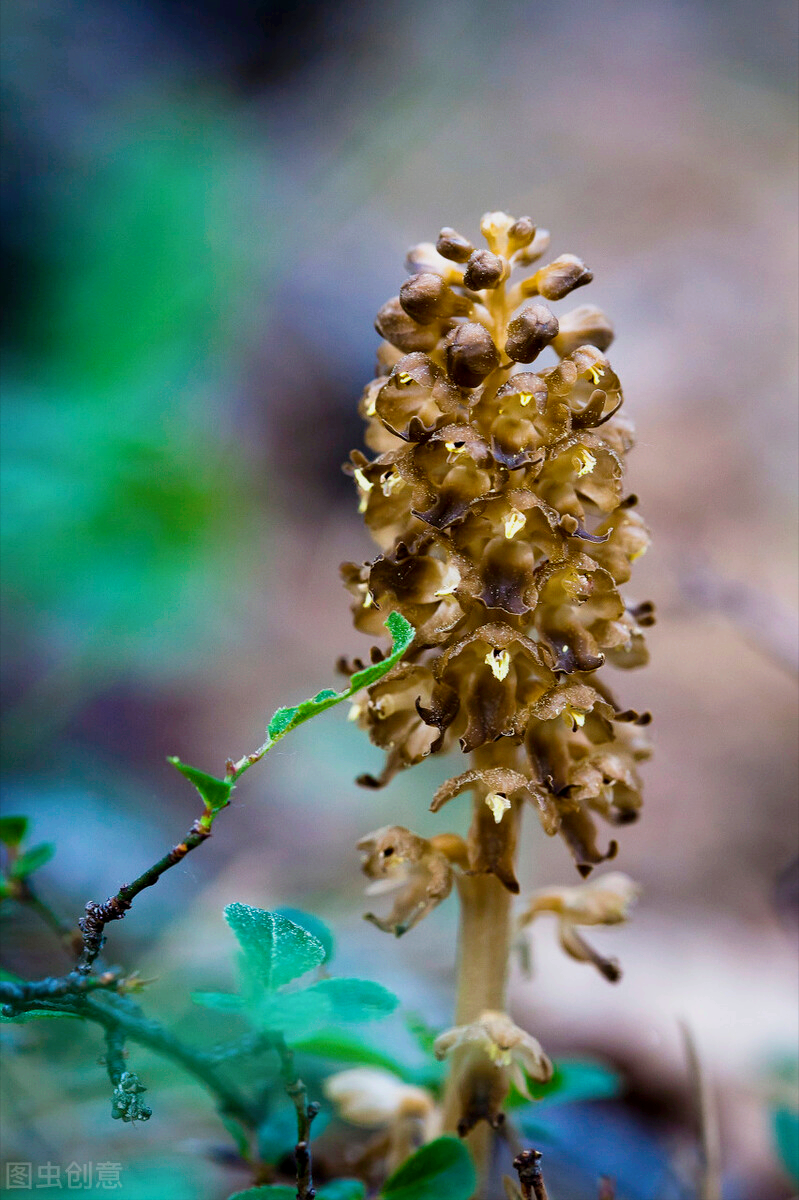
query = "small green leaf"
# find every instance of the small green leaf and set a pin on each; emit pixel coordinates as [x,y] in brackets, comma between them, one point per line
[342,1189]
[573,1081]
[286,719]
[328,1002]
[215,792]
[31,860]
[39,1014]
[13,830]
[313,925]
[785,1124]
[275,949]
[223,1001]
[341,1047]
[441,1168]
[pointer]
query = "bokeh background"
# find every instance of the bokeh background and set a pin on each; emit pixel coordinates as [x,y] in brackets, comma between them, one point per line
[204,205]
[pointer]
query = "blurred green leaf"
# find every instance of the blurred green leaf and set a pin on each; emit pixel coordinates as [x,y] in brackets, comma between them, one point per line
[215,792]
[12,830]
[339,1189]
[785,1126]
[270,1191]
[574,1080]
[31,860]
[313,925]
[286,719]
[342,1189]
[275,950]
[328,1002]
[341,1047]
[223,1001]
[239,1134]
[277,1135]
[40,1014]
[441,1168]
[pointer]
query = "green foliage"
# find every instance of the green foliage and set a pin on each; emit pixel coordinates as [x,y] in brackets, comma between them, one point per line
[286,719]
[441,1168]
[13,830]
[785,1128]
[215,792]
[313,925]
[37,1014]
[574,1080]
[339,1189]
[275,951]
[30,860]
[341,1047]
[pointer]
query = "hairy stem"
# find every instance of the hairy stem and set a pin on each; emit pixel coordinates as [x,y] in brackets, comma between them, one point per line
[297,1093]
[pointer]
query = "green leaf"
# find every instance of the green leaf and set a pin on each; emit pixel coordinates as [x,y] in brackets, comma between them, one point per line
[215,792]
[441,1168]
[785,1126]
[223,1001]
[341,1047]
[271,1191]
[31,860]
[39,1014]
[275,949]
[342,1189]
[575,1080]
[313,925]
[239,1134]
[286,719]
[328,1002]
[13,830]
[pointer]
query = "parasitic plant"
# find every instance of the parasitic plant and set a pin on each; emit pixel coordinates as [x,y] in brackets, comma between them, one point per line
[495,493]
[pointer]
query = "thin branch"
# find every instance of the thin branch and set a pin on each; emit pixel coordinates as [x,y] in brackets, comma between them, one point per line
[306,1112]
[54,987]
[528,1166]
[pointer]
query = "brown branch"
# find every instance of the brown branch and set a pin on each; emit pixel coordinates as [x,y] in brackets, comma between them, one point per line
[306,1112]
[528,1166]
[99,915]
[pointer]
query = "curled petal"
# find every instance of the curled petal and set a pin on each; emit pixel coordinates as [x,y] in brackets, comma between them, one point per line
[421,875]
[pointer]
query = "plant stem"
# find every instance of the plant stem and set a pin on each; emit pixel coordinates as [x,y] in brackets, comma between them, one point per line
[297,1093]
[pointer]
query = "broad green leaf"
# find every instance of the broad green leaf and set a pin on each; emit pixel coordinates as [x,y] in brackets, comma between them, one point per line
[574,1080]
[215,792]
[39,1014]
[341,1047]
[313,925]
[785,1124]
[31,860]
[275,950]
[342,1189]
[286,719]
[328,1002]
[224,1001]
[13,830]
[441,1168]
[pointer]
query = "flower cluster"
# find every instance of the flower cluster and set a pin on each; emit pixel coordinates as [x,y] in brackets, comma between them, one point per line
[495,493]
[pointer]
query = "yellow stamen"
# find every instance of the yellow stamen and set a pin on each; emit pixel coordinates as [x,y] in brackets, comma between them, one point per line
[525,398]
[390,482]
[355,712]
[514,521]
[499,662]
[596,372]
[498,804]
[499,1055]
[368,600]
[639,553]
[455,448]
[583,461]
[574,717]
[404,378]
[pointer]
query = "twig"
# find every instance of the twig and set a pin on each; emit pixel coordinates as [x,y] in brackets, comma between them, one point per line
[306,1112]
[528,1166]
[709,1135]
[99,915]
[54,987]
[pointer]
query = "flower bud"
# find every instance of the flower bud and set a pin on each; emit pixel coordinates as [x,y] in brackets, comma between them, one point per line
[471,354]
[426,296]
[529,332]
[394,324]
[532,252]
[584,325]
[520,234]
[560,277]
[483,270]
[453,246]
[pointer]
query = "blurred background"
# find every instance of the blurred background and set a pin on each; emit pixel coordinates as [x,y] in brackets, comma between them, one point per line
[204,205]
